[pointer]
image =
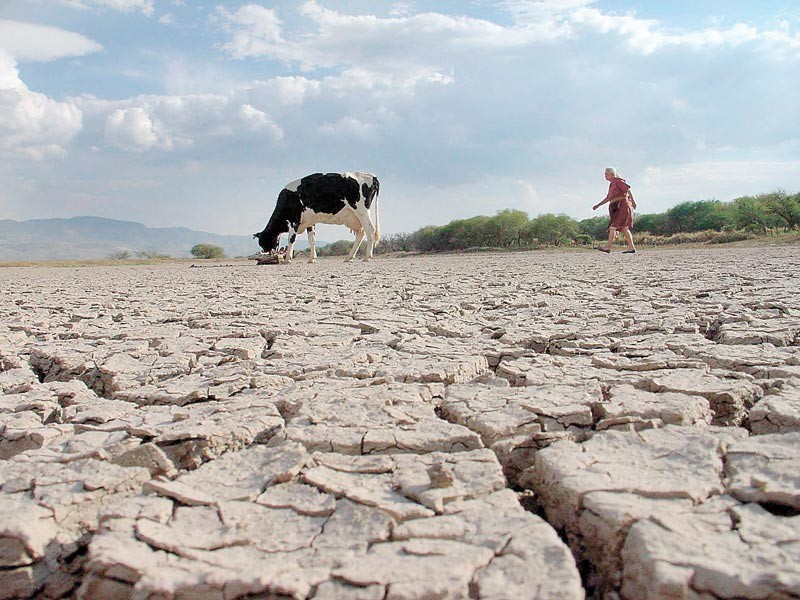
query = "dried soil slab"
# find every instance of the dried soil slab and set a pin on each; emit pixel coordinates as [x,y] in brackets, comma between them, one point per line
[109,369]
[776,331]
[468,535]
[198,433]
[337,416]
[674,462]
[408,486]
[516,422]
[416,359]
[719,550]
[216,382]
[777,412]
[629,408]
[604,523]
[15,379]
[596,490]
[242,475]
[68,362]
[682,474]
[499,412]
[545,369]
[34,417]
[763,361]
[49,513]
[187,435]
[766,469]
[529,558]
[730,398]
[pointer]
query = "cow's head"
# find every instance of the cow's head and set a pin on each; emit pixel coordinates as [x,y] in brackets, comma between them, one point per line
[267,241]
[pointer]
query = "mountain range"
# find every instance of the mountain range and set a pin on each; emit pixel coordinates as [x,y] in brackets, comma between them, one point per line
[96,237]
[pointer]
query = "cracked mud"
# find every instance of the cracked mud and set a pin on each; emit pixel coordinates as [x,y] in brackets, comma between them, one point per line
[528,425]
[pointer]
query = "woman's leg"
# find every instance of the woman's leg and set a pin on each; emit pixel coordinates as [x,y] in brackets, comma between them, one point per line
[612,233]
[629,237]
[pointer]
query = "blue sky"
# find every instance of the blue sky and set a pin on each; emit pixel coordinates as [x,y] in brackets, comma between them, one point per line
[184,113]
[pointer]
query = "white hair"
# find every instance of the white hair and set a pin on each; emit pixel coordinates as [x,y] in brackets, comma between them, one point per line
[611,170]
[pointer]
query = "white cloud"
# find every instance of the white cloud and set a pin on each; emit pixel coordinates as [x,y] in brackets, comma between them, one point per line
[719,179]
[173,123]
[132,129]
[258,121]
[366,41]
[146,6]
[256,31]
[349,127]
[288,90]
[384,84]
[648,35]
[31,42]
[31,124]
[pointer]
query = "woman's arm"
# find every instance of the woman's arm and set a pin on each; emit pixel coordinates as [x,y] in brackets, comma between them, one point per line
[610,201]
[633,202]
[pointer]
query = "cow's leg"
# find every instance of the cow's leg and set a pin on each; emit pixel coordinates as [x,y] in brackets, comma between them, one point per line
[290,247]
[356,244]
[369,231]
[312,245]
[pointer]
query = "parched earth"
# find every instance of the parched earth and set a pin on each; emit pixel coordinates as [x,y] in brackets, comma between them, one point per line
[528,425]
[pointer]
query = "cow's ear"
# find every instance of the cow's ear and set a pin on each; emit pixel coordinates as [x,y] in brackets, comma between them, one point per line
[255,236]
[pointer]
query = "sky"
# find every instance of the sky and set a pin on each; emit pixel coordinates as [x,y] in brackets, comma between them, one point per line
[196,113]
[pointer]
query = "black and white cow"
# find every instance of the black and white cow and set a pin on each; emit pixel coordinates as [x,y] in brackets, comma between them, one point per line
[334,198]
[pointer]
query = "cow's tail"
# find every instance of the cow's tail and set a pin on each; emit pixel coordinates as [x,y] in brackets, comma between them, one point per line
[377,212]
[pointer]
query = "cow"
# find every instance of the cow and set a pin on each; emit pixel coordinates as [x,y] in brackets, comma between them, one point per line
[333,198]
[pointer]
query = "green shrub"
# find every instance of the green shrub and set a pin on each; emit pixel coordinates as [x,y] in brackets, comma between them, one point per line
[207,251]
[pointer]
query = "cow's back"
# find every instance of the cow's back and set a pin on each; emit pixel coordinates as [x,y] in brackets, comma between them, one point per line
[327,192]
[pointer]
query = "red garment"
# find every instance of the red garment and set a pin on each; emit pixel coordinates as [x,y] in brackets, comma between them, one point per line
[621,213]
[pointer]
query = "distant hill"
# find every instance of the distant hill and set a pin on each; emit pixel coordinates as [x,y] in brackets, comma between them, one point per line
[95,237]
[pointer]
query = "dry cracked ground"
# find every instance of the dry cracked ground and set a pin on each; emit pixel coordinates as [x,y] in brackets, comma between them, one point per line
[530,425]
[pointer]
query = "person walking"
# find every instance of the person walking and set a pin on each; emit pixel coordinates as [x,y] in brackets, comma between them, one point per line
[620,210]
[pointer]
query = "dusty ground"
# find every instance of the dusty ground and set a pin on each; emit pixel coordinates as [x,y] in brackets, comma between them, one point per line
[531,425]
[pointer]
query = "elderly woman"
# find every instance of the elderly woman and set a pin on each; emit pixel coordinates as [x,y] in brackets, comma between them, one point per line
[620,209]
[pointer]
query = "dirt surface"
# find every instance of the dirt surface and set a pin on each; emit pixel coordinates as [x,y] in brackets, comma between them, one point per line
[540,425]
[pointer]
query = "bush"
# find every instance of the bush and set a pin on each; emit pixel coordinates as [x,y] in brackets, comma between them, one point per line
[207,251]
[120,255]
[731,236]
[340,248]
[150,254]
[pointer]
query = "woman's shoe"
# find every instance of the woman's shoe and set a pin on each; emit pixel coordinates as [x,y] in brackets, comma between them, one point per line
[629,251]
[604,250]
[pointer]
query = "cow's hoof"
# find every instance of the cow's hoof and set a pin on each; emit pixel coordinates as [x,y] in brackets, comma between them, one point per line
[348,260]
[311,262]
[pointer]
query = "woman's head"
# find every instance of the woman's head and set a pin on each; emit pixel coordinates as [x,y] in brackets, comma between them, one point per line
[611,172]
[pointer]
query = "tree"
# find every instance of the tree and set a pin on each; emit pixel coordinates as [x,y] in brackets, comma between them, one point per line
[339,248]
[150,254]
[508,226]
[655,223]
[596,227]
[553,229]
[207,251]
[784,208]
[423,239]
[120,255]
[749,213]
[394,242]
[703,215]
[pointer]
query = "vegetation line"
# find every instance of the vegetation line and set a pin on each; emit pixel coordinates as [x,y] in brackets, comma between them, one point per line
[706,221]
